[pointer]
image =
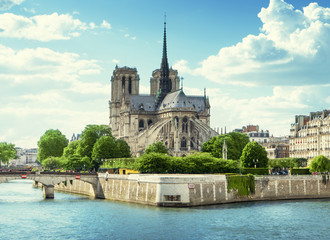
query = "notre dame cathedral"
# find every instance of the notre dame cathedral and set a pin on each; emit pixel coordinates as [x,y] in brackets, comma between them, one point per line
[181,122]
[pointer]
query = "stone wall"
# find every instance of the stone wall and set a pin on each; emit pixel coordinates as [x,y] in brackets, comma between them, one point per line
[195,190]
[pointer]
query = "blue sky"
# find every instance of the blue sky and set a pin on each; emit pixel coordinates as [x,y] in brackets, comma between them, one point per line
[262,62]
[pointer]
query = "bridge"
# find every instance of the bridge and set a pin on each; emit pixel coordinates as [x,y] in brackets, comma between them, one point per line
[50,179]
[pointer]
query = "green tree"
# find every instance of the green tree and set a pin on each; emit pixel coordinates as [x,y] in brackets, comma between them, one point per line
[89,137]
[319,164]
[153,163]
[7,152]
[51,144]
[157,147]
[253,152]
[54,162]
[71,149]
[76,162]
[124,151]
[104,148]
[235,144]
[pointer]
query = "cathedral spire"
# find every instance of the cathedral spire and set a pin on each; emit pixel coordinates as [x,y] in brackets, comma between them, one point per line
[165,84]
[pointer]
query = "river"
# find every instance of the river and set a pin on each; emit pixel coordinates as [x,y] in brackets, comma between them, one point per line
[24,214]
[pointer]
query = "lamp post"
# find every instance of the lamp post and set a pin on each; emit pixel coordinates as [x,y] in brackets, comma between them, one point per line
[255,161]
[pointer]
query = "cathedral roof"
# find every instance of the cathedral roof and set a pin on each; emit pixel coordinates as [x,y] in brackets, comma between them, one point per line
[178,99]
[143,102]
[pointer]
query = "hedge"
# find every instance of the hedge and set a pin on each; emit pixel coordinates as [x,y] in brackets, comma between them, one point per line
[255,171]
[300,171]
[119,163]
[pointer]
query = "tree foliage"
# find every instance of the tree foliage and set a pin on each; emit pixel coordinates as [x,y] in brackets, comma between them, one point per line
[7,152]
[287,162]
[320,164]
[123,149]
[89,137]
[235,144]
[157,147]
[54,162]
[105,147]
[71,149]
[197,163]
[51,144]
[78,163]
[253,152]
[153,163]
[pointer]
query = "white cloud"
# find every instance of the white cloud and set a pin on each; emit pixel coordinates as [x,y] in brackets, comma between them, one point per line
[43,27]
[8,4]
[293,48]
[106,25]
[115,61]
[144,89]
[31,10]
[44,63]
[127,35]
[90,88]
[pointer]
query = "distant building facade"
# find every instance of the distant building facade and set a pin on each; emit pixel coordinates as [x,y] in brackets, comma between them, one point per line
[25,157]
[181,122]
[254,134]
[310,135]
[277,147]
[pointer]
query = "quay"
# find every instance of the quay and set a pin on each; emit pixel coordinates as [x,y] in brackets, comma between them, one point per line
[177,190]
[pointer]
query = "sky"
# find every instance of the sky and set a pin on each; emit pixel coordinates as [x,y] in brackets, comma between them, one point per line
[261,61]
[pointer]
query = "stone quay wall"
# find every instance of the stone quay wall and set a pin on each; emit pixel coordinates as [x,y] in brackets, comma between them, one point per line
[182,190]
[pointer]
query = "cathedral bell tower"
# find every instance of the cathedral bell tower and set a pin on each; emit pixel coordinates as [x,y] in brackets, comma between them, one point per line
[124,83]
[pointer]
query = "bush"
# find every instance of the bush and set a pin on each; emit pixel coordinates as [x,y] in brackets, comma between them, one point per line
[300,171]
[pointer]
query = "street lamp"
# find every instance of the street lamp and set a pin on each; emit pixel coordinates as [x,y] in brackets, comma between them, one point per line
[255,161]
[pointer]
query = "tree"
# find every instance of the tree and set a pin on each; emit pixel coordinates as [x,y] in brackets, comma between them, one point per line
[157,147]
[235,145]
[124,151]
[71,149]
[54,162]
[319,164]
[104,148]
[153,163]
[254,154]
[7,152]
[89,137]
[51,144]
[76,162]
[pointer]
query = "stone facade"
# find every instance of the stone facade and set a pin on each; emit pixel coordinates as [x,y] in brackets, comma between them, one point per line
[310,135]
[181,122]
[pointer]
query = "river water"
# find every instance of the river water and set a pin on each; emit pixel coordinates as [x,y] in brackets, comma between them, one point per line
[24,214]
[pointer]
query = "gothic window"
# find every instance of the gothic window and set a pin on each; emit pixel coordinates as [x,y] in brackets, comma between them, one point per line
[172,143]
[130,85]
[192,140]
[185,125]
[123,82]
[141,124]
[176,122]
[183,142]
[149,122]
